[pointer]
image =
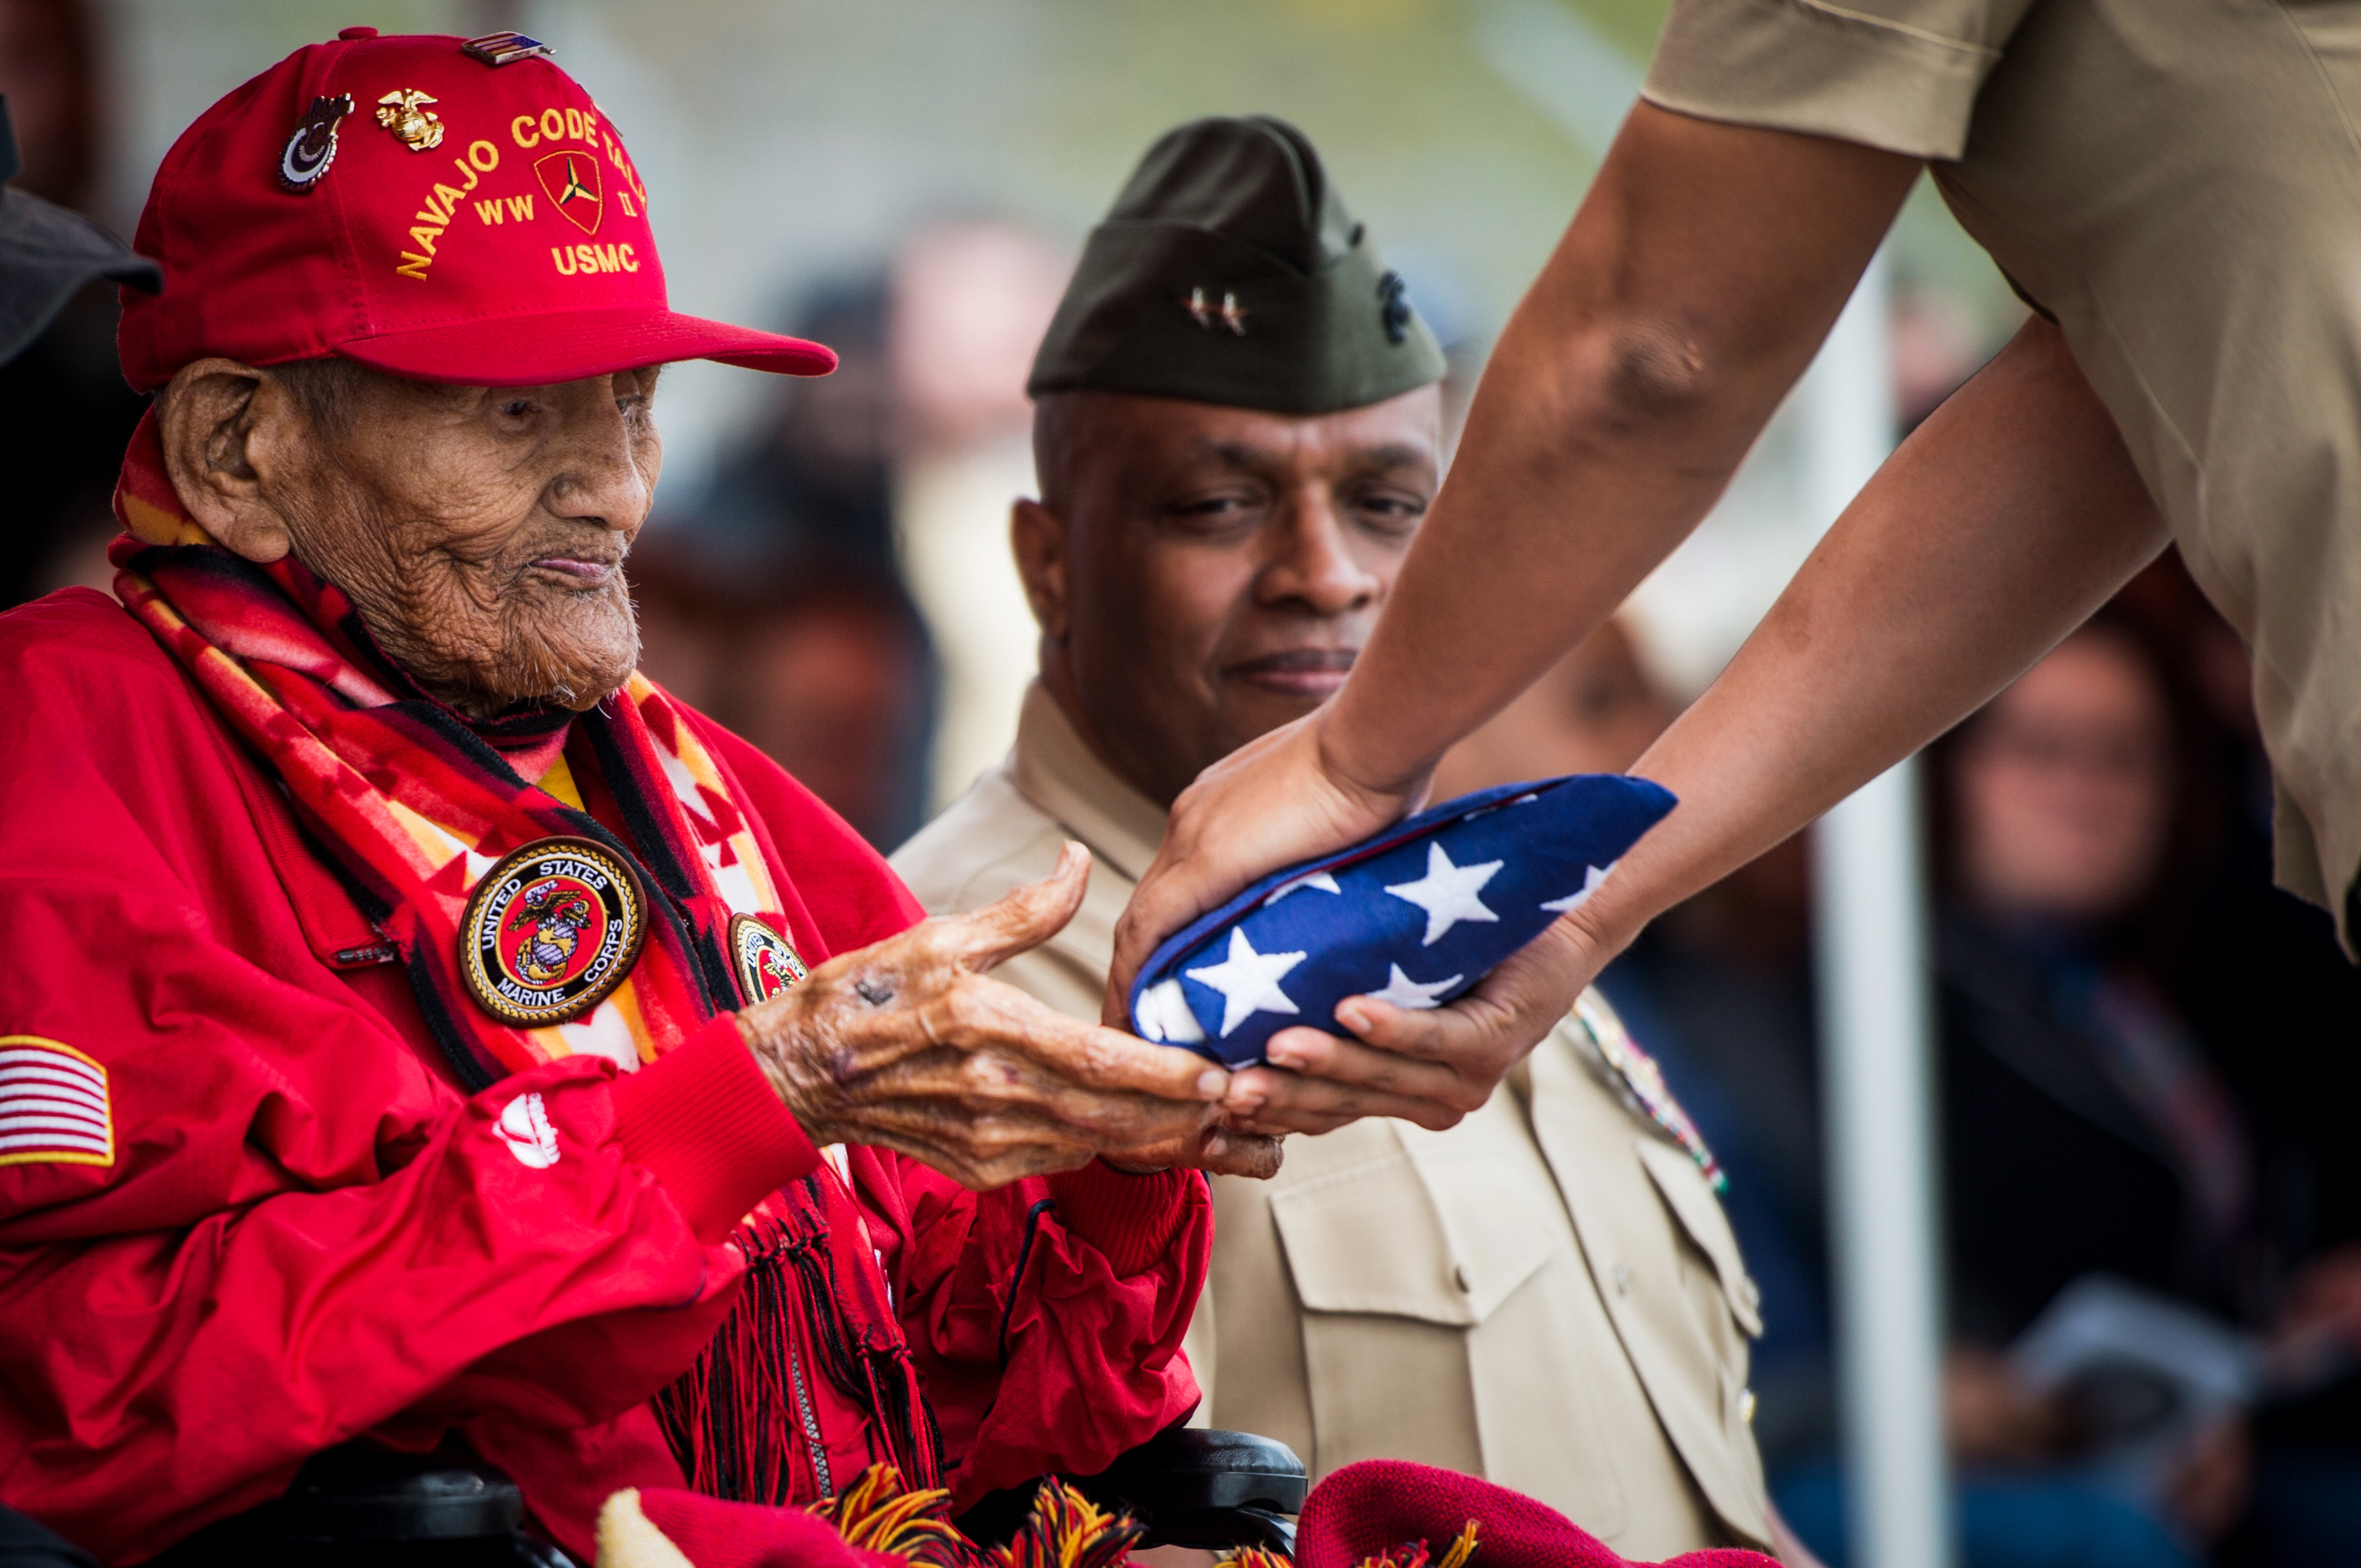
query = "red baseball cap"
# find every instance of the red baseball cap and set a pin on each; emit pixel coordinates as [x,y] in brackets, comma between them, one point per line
[443,209]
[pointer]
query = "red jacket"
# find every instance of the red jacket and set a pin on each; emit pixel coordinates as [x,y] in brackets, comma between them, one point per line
[308,1232]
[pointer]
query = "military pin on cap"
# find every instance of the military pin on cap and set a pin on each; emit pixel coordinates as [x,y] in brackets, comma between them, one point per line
[313,147]
[505,49]
[1230,313]
[1393,306]
[405,113]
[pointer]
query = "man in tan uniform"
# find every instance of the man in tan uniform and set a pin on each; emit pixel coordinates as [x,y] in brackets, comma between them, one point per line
[2176,188]
[1546,1294]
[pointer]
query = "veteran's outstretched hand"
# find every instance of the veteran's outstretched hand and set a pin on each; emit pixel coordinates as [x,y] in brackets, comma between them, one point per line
[906,1044]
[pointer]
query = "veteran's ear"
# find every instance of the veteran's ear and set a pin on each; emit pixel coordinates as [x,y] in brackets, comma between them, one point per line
[1038,537]
[229,431]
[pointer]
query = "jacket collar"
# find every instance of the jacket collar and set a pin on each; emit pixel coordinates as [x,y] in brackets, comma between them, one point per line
[1055,769]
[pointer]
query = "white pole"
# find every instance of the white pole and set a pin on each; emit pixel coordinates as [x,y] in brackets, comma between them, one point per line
[1876,1034]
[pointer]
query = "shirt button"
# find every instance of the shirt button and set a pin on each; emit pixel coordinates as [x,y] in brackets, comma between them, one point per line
[1459,1278]
[1746,1406]
[1623,1280]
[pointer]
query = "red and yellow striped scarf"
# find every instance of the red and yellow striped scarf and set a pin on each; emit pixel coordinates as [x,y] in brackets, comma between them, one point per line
[416,804]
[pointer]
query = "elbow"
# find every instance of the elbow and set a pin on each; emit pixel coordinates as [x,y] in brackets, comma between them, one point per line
[1643,381]
[1651,374]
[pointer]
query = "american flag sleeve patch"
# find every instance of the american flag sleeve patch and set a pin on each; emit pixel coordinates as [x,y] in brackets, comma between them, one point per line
[53,1105]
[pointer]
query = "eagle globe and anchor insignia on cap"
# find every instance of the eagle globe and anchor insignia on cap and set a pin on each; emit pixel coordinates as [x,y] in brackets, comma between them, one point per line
[766,964]
[550,930]
[313,147]
[405,113]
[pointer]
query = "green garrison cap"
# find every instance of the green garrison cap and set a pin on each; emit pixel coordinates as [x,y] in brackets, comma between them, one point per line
[1228,272]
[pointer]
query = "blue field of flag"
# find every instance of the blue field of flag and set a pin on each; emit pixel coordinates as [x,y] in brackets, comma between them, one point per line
[1415,914]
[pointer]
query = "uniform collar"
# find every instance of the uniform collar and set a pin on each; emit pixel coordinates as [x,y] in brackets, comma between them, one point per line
[1055,769]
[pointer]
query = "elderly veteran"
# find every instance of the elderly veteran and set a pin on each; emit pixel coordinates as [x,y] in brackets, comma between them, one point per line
[1237,432]
[407,1027]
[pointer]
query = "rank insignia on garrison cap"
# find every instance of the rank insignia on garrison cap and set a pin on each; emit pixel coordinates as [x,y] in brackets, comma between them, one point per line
[1414,917]
[314,145]
[550,930]
[766,964]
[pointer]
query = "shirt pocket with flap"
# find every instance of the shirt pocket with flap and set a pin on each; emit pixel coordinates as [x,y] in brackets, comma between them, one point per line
[1442,1237]
[1697,1211]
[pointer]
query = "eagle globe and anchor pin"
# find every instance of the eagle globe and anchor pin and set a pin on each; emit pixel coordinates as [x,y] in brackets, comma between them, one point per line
[550,930]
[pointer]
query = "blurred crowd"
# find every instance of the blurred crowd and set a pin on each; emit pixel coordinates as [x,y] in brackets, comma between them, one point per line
[2152,1215]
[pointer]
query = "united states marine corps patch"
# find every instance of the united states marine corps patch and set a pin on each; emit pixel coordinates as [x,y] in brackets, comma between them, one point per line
[550,930]
[767,965]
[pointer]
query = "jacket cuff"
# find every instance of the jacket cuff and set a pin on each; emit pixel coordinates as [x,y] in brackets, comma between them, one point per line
[1130,1219]
[707,1121]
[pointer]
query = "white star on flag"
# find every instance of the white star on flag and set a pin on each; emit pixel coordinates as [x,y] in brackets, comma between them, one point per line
[1164,1015]
[1593,879]
[1404,991]
[1247,981]
[1320,880]
[1447,893]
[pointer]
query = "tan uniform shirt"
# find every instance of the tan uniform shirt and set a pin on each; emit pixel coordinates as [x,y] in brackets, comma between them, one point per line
[2180,185]
[1547,1295]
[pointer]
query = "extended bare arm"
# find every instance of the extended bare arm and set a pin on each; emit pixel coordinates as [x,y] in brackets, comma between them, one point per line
[2000,525]
[1695,282]
[1698,278]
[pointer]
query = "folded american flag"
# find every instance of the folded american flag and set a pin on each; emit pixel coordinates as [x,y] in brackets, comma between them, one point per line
[1415,914]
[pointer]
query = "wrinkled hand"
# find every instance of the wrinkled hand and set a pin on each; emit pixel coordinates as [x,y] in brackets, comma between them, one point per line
[1272,802]
[1224,1147]
[1431,1066]
[905,1044]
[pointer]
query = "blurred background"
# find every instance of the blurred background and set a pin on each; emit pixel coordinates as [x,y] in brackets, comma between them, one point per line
[2146,1056]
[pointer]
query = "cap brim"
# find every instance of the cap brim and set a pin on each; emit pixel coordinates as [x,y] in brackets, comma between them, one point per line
[47,253]
[566,345]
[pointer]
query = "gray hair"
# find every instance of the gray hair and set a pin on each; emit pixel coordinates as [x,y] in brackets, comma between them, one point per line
[328,390]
